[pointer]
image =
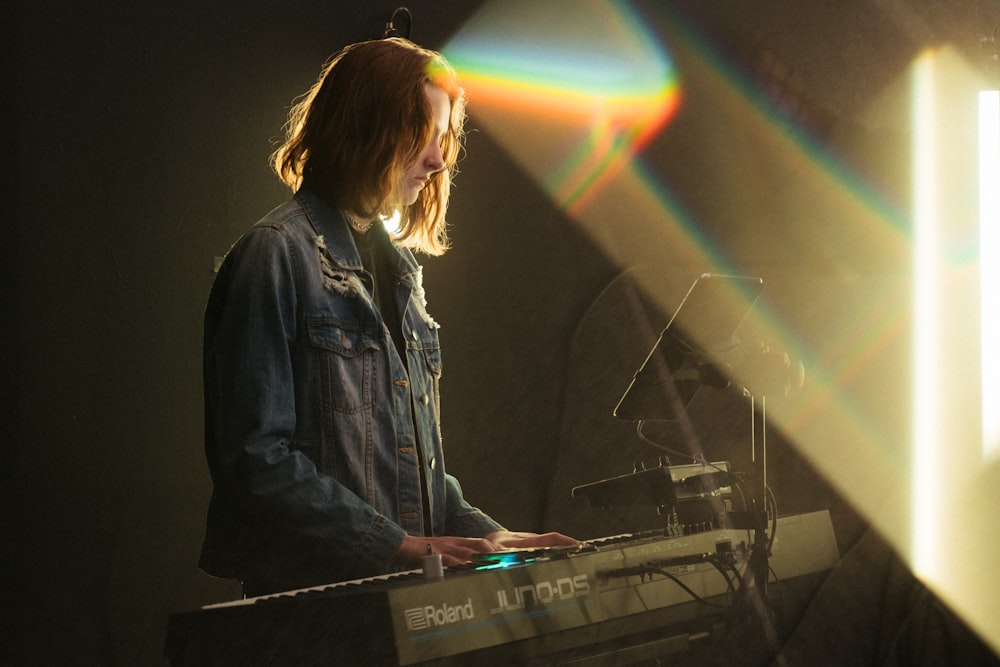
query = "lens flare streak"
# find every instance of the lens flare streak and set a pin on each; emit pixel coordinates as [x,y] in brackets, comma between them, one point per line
[609,98]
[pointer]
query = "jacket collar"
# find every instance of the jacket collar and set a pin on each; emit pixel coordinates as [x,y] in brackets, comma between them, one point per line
[331,224]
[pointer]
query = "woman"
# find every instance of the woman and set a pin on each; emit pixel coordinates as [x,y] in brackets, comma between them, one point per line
[321,363]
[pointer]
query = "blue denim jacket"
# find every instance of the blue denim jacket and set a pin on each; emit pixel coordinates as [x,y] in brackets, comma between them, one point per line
[312,421]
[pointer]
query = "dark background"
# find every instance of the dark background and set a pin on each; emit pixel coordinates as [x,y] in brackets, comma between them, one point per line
[137,139]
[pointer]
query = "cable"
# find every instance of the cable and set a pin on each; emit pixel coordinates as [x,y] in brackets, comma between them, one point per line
[715,560]
[686,589]
[721,567]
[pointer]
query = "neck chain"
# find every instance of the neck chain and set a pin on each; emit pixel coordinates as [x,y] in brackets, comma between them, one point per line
[360,227]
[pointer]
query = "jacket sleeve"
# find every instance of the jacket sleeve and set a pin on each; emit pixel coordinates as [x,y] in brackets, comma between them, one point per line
[284,513]
[462,518]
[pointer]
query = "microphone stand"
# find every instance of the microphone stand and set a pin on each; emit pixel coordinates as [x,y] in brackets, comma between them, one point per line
[757,593]
[759,555]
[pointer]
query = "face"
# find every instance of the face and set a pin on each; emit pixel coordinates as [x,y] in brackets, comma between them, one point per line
[430,161]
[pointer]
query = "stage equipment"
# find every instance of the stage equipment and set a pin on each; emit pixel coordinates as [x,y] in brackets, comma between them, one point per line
[609,601]
[699,347]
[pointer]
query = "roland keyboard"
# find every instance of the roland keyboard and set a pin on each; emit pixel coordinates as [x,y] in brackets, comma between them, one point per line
[528,606]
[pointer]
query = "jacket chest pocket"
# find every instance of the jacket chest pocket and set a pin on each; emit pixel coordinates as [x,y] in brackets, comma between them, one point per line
[346,358]
[425,374]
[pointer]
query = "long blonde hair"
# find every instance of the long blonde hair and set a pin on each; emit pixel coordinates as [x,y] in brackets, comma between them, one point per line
[357,130]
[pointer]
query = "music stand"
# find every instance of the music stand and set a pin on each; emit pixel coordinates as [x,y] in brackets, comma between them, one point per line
[701,331]
[702,328]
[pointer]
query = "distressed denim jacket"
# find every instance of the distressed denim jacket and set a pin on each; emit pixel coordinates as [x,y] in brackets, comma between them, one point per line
[315,428]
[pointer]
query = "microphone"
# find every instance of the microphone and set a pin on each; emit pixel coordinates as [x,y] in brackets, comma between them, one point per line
[760,371]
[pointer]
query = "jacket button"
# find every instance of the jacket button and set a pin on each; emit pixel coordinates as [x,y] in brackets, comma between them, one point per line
[416,336]
[424,399]
[433,462]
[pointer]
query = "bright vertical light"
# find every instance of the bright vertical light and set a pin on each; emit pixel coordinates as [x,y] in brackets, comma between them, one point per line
[989,265]
[926,381]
